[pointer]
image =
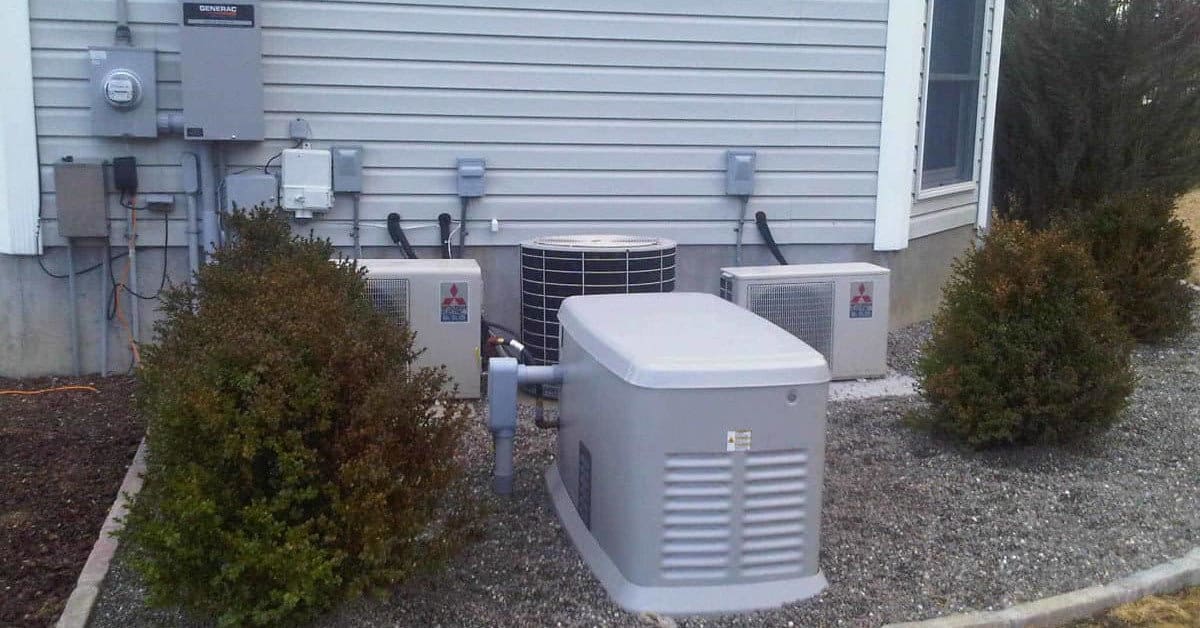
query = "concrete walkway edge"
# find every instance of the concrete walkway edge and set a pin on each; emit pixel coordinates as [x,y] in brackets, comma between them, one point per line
[83,598]
[1167,577]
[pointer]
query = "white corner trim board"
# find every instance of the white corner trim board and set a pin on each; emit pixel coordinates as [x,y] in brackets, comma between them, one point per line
[989,122]
[898,130]
[19,192]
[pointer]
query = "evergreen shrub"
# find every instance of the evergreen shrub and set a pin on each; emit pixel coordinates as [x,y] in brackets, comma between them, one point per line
[295,456]
[1026,346]
[1144,254]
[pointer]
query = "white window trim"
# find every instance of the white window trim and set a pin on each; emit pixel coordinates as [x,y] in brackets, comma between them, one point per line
[20,194]
[989,122]
[982,109]
[898,125]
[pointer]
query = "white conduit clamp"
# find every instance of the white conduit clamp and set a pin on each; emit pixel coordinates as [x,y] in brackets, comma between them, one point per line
[505,375]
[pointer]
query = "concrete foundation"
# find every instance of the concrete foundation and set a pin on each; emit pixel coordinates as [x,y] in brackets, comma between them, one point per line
[35,328]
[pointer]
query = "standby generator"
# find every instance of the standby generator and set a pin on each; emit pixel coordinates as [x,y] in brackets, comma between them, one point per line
[691,442]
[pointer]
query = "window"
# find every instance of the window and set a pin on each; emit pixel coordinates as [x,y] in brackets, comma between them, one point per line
[952,93]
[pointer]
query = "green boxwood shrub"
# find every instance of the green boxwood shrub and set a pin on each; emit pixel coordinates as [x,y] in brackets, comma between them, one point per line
[1144,253]
[295,456]
[1026,346]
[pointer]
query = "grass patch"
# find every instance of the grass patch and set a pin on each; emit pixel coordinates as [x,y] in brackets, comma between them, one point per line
[1180,610]
[1189,213]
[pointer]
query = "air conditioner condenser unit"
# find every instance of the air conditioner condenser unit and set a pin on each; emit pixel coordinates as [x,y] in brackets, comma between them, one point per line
[440,300]
[841,310]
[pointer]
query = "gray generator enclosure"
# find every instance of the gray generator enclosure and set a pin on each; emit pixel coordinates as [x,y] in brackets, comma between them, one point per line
[690,452]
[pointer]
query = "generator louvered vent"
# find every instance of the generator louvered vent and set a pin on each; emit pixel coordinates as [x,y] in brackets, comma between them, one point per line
[556,267]
[709,532]
[390,296]
[804,309]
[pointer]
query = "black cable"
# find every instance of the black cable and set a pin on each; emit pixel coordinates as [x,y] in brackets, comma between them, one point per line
[298,144]
[78,272]
[398,237]
[764,229]
[272,158]
[444,233]
[162,284]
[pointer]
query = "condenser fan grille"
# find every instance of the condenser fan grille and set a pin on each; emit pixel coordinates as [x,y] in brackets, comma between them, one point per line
[554,268]
[390,296]
[804,309]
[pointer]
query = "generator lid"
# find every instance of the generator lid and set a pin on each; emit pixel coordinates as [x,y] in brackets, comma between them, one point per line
[688,340]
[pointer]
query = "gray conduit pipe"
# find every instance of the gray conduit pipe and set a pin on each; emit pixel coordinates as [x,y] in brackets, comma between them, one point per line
[123,36]
[135,315]
[191,188]
[505,375]
[741,229]
[210,233]
[355,234]
[71,294]
[105,299]
[462,227]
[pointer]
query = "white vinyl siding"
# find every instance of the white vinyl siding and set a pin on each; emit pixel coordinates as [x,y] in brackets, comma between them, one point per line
[613,116]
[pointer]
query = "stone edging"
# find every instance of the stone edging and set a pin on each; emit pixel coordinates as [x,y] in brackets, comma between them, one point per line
[83,598]
[1166,577]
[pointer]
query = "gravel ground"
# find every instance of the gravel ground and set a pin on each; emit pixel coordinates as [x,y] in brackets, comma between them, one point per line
[904,347]
[914,527]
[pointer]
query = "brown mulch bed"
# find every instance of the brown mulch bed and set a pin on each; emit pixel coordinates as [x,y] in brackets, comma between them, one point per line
[62,458]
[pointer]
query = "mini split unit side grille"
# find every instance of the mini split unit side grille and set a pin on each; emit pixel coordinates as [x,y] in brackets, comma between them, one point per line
[803,309]
[841,310]
[390,297]
[710,532]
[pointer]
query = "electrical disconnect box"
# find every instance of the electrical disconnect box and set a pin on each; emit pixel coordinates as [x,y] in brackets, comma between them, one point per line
[739,172]
[471,171]
[439,300]
[80,198]
[307,181]
[250,189]
[347,169]
[124,92]
[221,69]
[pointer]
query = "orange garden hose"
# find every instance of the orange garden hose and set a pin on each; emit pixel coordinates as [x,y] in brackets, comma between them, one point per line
[48,390]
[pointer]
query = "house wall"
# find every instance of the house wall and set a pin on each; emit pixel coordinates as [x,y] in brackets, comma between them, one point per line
[591,120]
[612,120]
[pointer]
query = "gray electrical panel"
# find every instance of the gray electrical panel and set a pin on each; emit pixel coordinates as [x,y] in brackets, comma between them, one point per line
[124,92]
[347,168]
[471,171]
[80,198]
[249,190]
[221,69]
[739,172]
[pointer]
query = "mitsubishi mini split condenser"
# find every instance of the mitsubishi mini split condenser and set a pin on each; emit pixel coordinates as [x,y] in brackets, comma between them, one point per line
[690,452]
[841,310]
[440,300]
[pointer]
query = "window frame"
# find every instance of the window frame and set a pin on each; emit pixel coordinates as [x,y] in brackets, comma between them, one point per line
[982,66]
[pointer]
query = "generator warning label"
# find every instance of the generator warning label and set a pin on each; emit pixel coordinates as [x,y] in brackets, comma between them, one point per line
[218,14]
[862,302]
[454,302]
[737,440]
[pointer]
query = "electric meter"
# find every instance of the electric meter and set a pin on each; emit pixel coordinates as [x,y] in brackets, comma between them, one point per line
[122,89]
